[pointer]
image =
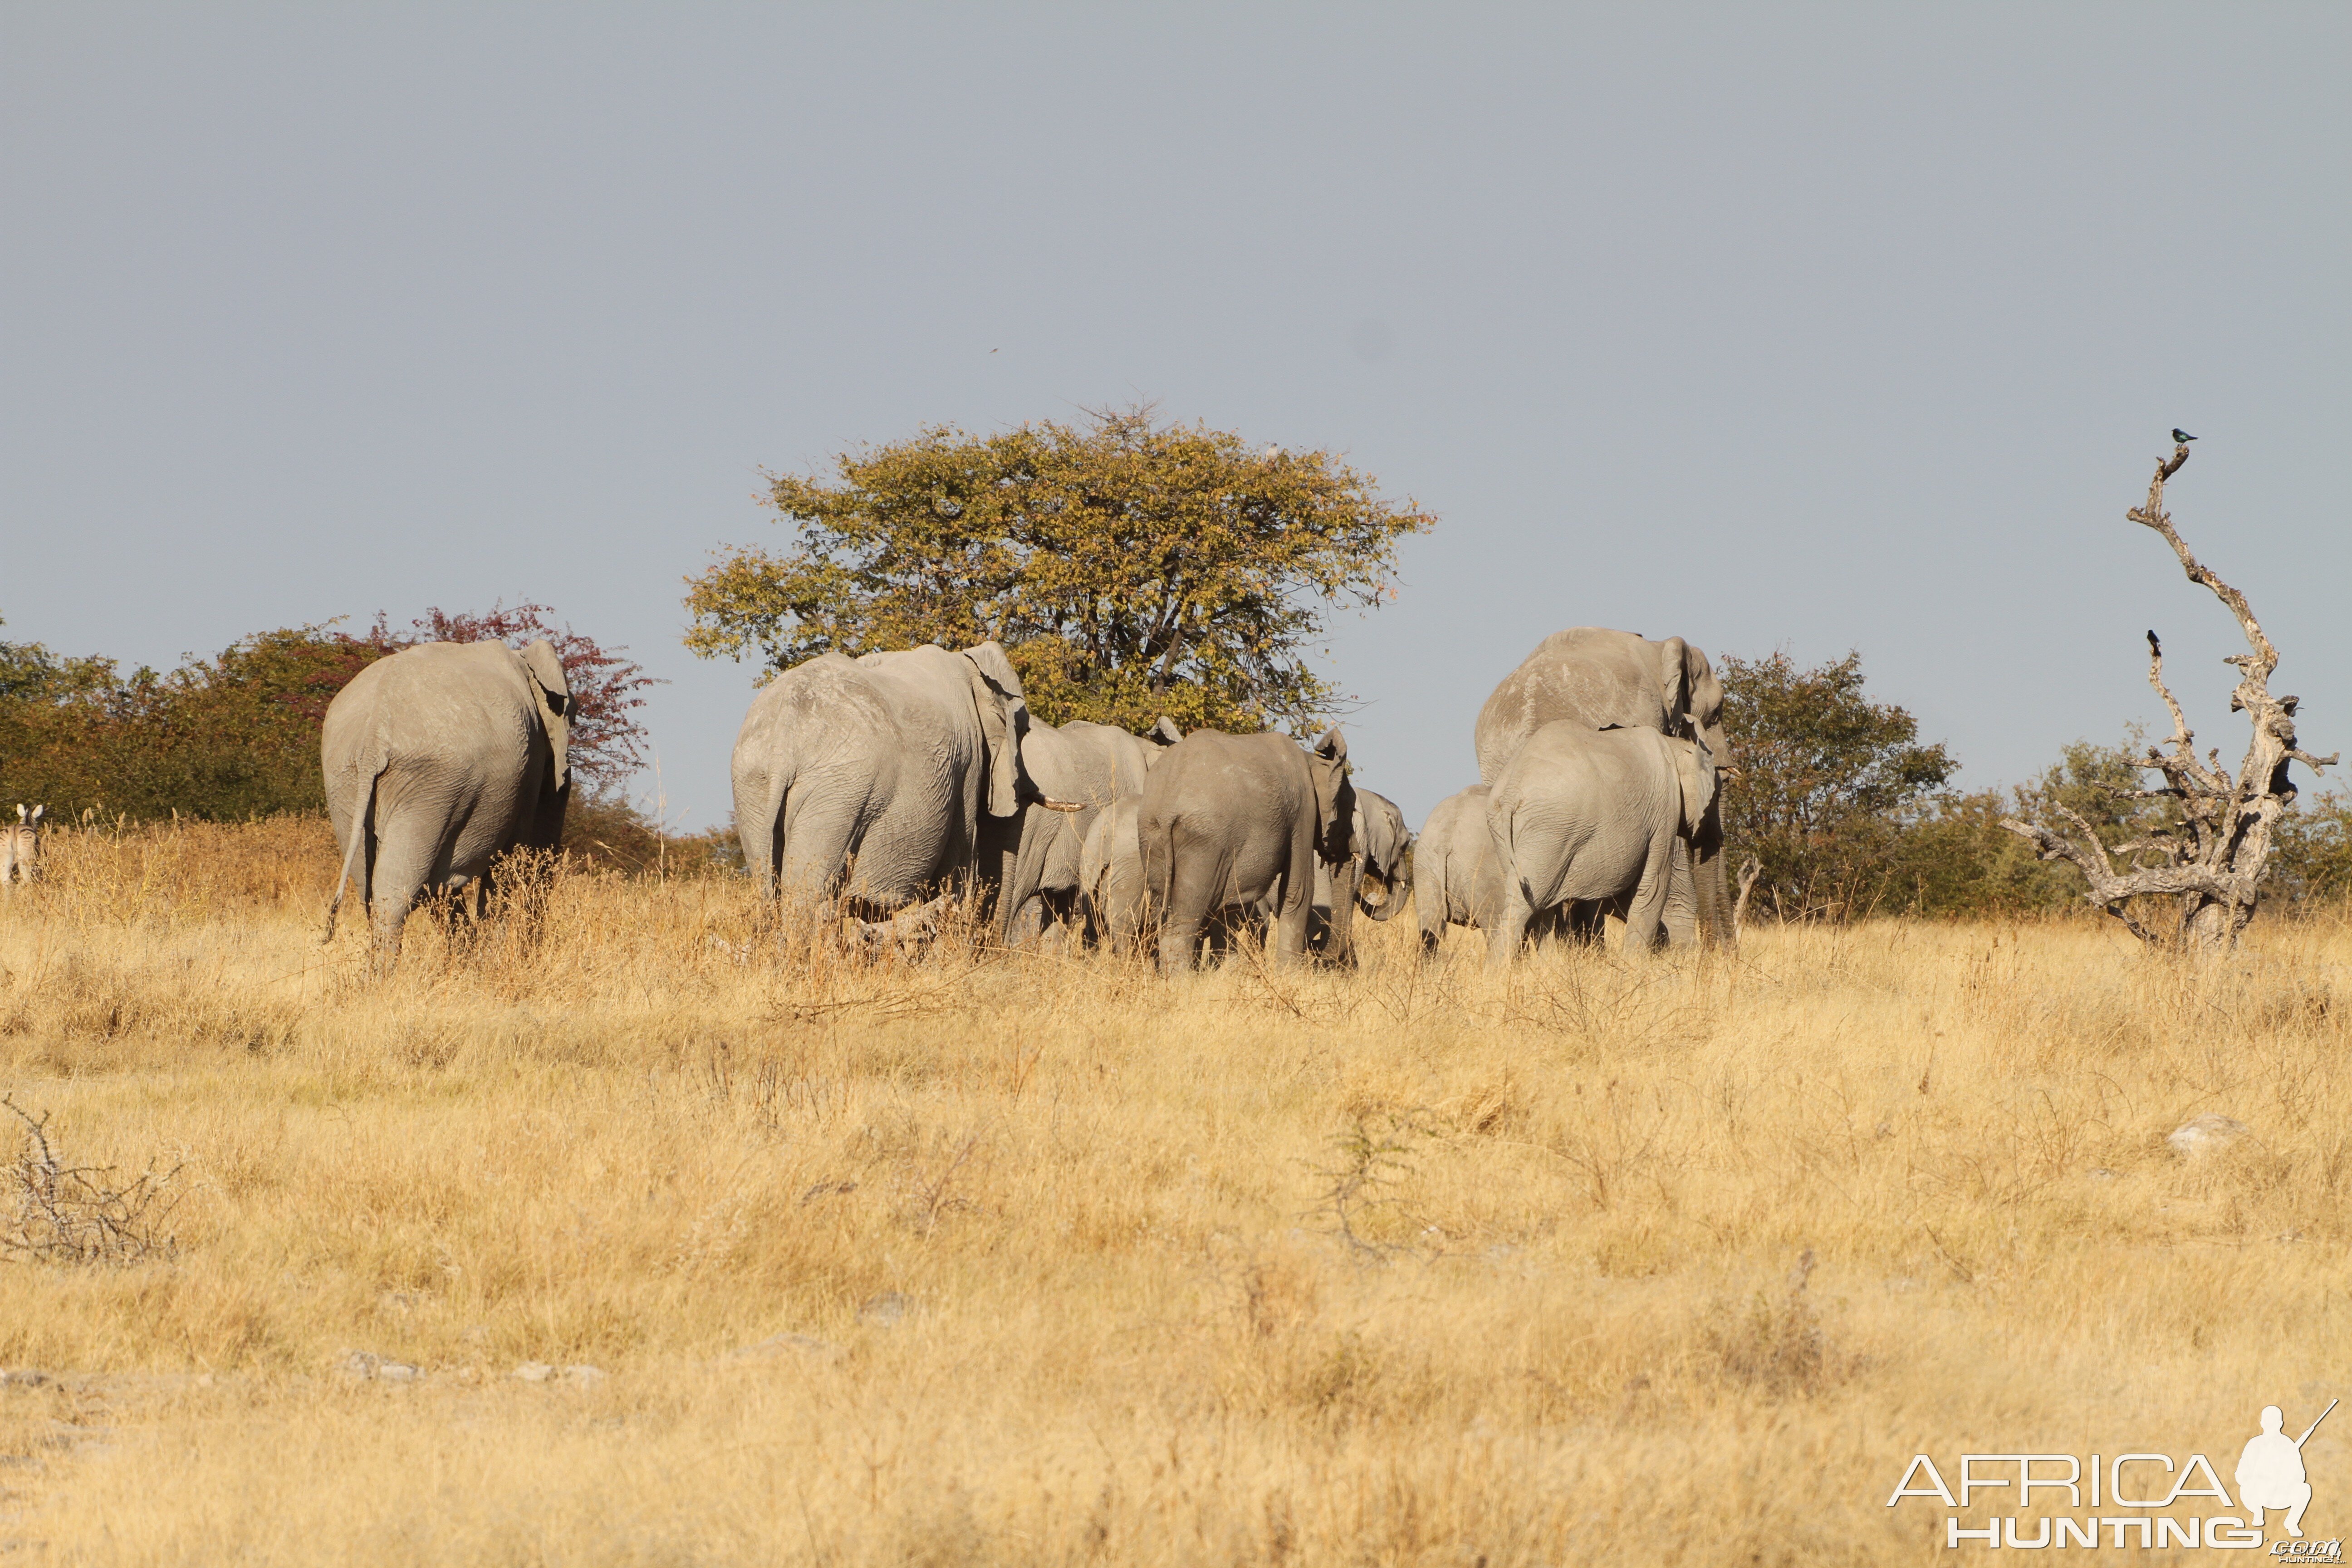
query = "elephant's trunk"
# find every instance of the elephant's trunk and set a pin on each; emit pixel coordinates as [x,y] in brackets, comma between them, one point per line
[1714,891]
[1341,945]
[1395,884]
[1024,866]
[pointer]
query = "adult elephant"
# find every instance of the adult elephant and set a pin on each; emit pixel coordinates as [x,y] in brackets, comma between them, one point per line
[1092,766]
[1597,677]
[1227,822]
[438,760]
[1593,817]
[866,780]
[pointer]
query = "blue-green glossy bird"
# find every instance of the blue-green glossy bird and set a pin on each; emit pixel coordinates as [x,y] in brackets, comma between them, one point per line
[2182,436]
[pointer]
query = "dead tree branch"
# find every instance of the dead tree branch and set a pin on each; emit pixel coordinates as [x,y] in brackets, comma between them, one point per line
[2213,861]
[56,1213]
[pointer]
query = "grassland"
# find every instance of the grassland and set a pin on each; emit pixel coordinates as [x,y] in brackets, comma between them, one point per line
[1041,1260]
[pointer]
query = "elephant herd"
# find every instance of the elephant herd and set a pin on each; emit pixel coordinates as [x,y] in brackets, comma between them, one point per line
[884,787]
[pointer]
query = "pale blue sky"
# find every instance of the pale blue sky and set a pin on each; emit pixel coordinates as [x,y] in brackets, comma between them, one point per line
[1806,327]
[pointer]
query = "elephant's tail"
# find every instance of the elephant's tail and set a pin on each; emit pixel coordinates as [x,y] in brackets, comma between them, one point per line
[760,829]
[363,829]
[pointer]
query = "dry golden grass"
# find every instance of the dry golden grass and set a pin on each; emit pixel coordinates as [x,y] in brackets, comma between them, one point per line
[1040,1259]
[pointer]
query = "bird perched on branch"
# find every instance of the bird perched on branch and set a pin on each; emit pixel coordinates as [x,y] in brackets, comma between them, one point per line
[2155,647]
[2182,436]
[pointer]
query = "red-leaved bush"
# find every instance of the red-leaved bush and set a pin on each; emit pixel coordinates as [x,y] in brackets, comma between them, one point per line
[606,741]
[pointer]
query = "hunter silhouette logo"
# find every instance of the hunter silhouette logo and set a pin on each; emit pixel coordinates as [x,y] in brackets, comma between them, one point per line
[2123,1492]
[2270,1472]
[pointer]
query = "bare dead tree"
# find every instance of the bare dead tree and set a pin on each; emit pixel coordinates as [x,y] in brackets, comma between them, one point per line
[1748,871]
[2211,858]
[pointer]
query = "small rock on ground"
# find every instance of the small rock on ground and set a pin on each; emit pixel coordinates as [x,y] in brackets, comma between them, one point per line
[2203,1133]
[884,1309]
[534,1372]
[366,1366]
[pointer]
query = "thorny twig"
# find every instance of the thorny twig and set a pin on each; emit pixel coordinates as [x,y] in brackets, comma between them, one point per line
[1368,1160]
[65,1213]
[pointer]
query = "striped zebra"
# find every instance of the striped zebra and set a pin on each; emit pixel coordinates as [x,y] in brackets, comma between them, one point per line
[20,849]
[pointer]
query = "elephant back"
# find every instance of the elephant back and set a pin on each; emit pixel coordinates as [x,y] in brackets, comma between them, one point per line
[1586,675]
[453,701]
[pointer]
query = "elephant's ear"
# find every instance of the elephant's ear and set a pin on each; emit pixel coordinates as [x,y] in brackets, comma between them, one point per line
[1165,733]
[546,668]
[994,663]
[1703,690]
[1673,683]
[1695,769]
[1382,833]
[1335,798]
[1003,718]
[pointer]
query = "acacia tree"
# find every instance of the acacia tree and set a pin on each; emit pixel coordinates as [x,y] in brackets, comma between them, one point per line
[2209,851]
[1130,568]
[1829,781]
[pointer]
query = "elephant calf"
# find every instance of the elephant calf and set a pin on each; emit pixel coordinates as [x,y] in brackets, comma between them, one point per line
[1379,871]
[1092,766]
[1581,814]
[1239,820]
[1110,876]
[1455,878]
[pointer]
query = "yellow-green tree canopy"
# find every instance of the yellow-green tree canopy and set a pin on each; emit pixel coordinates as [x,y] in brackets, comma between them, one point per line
[1130,568]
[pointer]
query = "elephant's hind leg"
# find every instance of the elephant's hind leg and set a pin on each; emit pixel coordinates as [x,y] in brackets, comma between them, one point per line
[404,865]
[1510,927]
[1646,915]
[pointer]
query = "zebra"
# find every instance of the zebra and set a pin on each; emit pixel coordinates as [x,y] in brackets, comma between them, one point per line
[20,849]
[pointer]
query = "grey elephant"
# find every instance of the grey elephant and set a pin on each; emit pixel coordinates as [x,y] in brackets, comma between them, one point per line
[1042,851]
[1455,879]
[1596,677]
[866,782]
[1227,822]
[1380,871]
[1111,877]
[439,759]
[1593,815]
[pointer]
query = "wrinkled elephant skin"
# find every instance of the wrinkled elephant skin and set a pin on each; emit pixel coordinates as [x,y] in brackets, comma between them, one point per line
[1091,765]
[867,779]
[438,760]
[1231,821]
[1598,678]
[1584,815]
